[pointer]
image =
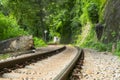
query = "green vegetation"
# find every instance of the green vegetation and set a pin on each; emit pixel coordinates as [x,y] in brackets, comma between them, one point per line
[92,14]
[117,50]
[73,21]
[4,56]
[39,42]
[9,28]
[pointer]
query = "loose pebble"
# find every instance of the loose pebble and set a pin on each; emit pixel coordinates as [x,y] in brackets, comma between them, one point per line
[99,66]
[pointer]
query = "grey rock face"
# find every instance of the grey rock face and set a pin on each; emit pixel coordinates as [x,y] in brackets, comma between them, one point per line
[112,21]
[21,43]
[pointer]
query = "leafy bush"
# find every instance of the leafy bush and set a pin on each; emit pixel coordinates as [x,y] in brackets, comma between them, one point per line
[117,51]
[93,12]
[9,28]
[39,42]
[88,39]
[99,46]
[118,46]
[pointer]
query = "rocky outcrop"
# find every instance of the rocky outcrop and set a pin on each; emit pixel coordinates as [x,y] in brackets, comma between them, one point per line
[112,21]
[21,43]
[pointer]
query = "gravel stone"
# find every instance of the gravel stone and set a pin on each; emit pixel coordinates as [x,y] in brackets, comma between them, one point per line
[100,66]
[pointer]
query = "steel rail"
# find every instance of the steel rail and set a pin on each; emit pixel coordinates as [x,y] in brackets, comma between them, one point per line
[21,60]
[65,73]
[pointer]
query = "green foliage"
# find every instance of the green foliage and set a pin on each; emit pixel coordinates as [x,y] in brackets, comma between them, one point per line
[93,12]
[64,20]
[118,46]
[101,10]
[113,33]
[86,37]
[9,28]
[117,53]
[99,46]
[71,20]
[4,56]
[39,42]
[60,18]
[30,14]
[91,42]
[117,50]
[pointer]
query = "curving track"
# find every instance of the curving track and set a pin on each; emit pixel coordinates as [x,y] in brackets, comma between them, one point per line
[52,67]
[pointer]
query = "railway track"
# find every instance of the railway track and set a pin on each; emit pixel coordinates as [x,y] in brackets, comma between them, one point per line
[52,65]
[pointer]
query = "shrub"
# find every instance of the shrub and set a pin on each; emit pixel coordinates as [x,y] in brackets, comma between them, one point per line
[93,12]
[39,42]
[9,28]
[117,51]
[99,46]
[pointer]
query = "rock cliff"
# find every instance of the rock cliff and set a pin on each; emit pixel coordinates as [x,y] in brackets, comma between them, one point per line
[112,21]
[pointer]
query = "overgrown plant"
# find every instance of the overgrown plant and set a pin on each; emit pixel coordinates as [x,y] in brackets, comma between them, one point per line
[92,9]
[38,42]
[9,27]
[92,13]
[117,50]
